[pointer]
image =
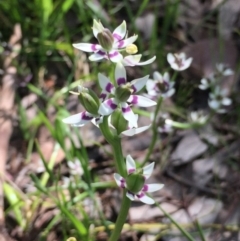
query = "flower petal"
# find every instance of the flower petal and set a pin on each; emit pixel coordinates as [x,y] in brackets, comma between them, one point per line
[170,58]
[79,119]
[134,131]
[147,170]
[120,32]
[119,180]
[115,56]
[131,165]
[97,27]
[105,83]
[152,187]
[128,114]
[226,101]
[132,60]
[141,101]
[138,84]
[120,74]
[145,199]
[130,196]
[157,76]
[97,56]
[87,47]
[108,106]
[123,43]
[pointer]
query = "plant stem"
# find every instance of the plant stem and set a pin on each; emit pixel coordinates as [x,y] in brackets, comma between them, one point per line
[154,130]
[181,229]
[126,202]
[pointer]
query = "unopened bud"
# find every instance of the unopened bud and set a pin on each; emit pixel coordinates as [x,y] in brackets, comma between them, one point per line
[123,92]
[89,100]
[135,182]
[131,49]
[105,38]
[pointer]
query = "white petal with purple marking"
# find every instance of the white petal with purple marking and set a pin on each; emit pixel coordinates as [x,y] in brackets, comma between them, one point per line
[138,84]
[120,32]
[87,47]
[108,106]
[123,43]
[79,119]
[153,187]
[128,114]
[105,83]
[120,74]
[115,56]
[142,101]
[145,199]
[96,57]
[119,180]
[131,165]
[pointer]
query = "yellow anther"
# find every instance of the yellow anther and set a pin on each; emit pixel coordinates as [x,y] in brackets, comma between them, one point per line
[131,49]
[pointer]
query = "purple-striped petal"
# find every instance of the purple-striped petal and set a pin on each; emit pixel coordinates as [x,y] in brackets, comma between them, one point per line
[105,83]
[120,32]
[79,119]
[128,114]
[115,56]
[123,43]
[138,84]
[147,170]
[108,106]
[145,199]
[142,101]
[120,74]
[152,187]
[87,47]
[119,180]
[131,165]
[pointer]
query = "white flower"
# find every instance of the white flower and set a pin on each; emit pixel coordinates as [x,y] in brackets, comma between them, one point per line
[75,167]
[110,50]
[123,94]
[198,117]
[207,83]
[218,100]
[135,180]
[178,61]
[161,85]
[223,70]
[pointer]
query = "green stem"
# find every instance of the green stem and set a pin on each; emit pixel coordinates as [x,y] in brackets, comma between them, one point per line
[154,131]
[126,203]
[181,229]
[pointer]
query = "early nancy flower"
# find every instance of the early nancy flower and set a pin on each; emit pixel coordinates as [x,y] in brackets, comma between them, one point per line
[218,100]
[110,43]
[224,70]
[135,184]
[161,85]
[178,61]
[123,94]
[75,167]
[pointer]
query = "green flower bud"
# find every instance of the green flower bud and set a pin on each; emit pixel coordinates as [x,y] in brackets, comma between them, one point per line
[118,121]
[89,100]
[135,182]
[123,92]
[105,39]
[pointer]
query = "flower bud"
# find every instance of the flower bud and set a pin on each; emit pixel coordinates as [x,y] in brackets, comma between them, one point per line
[135,182]
[118,121]
[89,100]
[123,92]
[131,49]
[105,39]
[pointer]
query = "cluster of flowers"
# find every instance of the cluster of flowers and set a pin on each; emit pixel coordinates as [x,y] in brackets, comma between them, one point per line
[218,99]
[116,100]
